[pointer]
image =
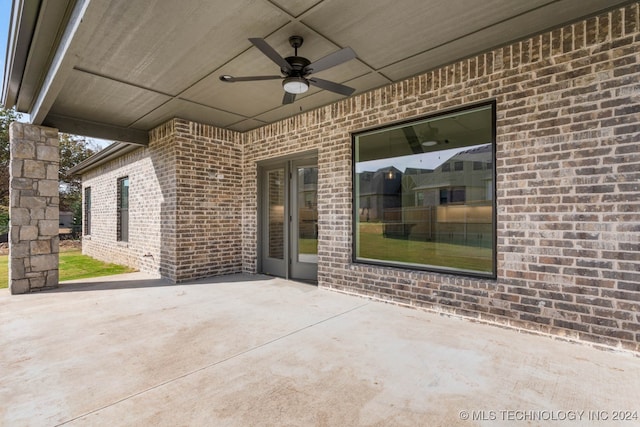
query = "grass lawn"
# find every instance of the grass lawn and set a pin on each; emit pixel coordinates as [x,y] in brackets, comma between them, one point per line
[73,265]
[373,245]
[308,246]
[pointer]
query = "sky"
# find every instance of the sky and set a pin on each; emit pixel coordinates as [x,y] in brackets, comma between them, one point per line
[5,16]
[5,11]
[419,161]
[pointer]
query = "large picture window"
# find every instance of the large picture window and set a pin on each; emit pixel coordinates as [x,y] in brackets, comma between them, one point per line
[423,193]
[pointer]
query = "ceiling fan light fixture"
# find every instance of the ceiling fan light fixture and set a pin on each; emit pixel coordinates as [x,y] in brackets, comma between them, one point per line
[429,143]
[295,85]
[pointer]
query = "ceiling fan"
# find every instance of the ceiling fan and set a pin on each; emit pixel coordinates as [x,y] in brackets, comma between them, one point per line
[296,70]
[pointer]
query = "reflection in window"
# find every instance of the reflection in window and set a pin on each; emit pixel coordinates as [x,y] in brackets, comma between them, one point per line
[307,188]
[424,193]
[123,210]
[275,219]
[452,195]
[87,211]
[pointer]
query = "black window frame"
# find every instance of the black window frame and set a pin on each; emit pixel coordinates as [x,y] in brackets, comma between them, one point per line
[87,211]
[429,268]
[123,210]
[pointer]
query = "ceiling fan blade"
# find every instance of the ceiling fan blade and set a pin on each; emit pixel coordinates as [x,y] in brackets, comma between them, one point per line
[231,79]
[331,60]
[412,139]
[271,53]
[288,98]
[332,86]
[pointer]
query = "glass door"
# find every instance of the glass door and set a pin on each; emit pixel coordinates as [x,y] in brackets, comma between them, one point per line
[289,219]
[274,220]
[304,220]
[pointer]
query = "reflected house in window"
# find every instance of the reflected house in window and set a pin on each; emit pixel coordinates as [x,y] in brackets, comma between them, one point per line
[424,192]
[380,195]
[453,203]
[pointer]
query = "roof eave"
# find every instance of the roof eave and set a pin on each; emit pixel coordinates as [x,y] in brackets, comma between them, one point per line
[112,152]
[23,20]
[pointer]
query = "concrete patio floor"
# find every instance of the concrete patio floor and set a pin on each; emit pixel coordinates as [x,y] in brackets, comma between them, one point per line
[253,350]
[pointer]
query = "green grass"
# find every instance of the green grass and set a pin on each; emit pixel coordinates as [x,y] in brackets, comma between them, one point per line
[373,245]
[73,265]
[308,246]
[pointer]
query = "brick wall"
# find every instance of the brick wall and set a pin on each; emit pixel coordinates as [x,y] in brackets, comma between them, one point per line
[568,162]
[568,167]
[209,207]
[184,205]
[152,201]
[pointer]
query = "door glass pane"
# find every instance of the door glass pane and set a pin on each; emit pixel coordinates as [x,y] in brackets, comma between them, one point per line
[276,213]
[123,201]
[307,201]
[123,210]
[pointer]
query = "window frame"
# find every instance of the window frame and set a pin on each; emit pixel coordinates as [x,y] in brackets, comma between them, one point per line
[424,267]
[87,212]
[120,235]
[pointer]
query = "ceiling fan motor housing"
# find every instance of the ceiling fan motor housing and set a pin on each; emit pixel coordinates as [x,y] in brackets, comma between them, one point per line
[297,64]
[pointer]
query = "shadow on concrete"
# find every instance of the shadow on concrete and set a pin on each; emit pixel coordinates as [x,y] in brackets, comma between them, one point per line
[142,280]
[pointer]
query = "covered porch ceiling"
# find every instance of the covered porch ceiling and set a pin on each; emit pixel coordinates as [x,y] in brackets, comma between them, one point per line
[115,69]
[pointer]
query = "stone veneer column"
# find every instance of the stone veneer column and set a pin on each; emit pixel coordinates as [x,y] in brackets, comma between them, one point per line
[33,210]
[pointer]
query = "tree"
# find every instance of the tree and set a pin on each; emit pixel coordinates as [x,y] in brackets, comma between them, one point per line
[6,117]
[73,150]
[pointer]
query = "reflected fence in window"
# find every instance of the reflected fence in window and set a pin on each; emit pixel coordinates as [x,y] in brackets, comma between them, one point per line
[424,191]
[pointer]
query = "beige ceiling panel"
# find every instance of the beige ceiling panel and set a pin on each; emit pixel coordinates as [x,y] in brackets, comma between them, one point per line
[243,98]
[513,29]
[189,111]
[96,99]
[301,105]
[169,45]
[383,35]
[296,7]
[246,125]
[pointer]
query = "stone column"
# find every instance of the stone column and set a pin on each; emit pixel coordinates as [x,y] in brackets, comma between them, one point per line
[33,210]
